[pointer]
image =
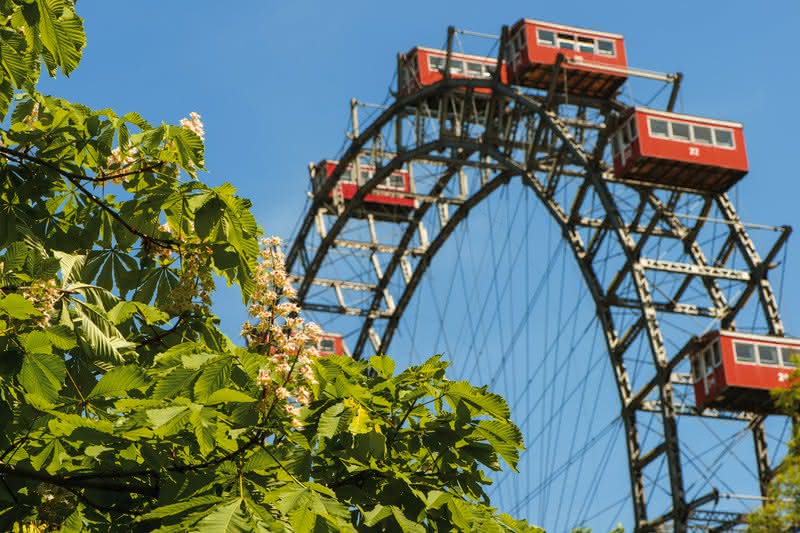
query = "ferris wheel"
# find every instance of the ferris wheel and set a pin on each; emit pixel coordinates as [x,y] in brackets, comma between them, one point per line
[577,253]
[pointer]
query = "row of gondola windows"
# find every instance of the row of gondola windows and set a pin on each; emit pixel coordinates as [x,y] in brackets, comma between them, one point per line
[683,131]
[394,181]
[470,69]
[569,41]
[765,354]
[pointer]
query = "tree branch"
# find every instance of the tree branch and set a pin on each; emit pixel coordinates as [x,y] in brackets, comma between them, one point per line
[71,482]
[75,180]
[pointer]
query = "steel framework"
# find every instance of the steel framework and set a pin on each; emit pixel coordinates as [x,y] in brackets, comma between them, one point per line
[474,143]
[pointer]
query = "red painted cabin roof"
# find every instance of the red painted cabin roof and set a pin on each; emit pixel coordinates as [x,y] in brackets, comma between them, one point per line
[595,66]
[676,150]
[423,66]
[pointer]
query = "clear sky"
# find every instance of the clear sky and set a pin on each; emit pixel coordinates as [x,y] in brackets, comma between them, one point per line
[273,80]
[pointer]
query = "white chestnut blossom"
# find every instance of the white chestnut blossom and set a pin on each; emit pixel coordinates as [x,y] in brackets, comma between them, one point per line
[278,332]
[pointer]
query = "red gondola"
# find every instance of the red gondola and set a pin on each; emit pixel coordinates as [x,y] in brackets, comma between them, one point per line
[735,371]
[595,63]
[675,150]
[425,66]
[330,344]
[387,200]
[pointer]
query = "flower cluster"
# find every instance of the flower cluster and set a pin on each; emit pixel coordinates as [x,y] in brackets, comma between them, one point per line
[194,124]
[194,288]
[33,117]
[289,344]
[162,254]
[117,163]
[44,294]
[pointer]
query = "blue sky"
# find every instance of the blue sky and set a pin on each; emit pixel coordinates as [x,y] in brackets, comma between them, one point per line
[273,81]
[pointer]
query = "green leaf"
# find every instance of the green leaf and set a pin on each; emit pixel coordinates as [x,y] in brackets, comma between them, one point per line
[225,518]
[61,33]
[214,376]
[105,340]
[43,374]
[161,417]
[16,306]
[174,509]
[409,525]
[488,402]
[229,395]
[14,258]
[71,266]
[383,365]
[205,429]
[505,437]
[460,514]
[329,421]
[36,342]
[378,513]
[361,423]
[125,310]
[61,337]
[176,382]
[118,382]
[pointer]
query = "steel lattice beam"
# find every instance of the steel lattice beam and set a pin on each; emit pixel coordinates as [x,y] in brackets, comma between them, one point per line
[508,132]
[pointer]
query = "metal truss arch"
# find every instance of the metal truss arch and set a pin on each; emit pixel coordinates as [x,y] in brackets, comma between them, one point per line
[517,134]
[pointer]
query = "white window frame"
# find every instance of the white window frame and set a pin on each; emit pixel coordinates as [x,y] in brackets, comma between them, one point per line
[650,128]
[674,137]
[708,357]
[385,185]
[573,40]
[333,345]
[471,74]
[453,70]
[633,129]
[698,368]
[541,42]
[587,41]
[717,353]
[736,356]
[777,354]
[724,147]
[788,351]
[600,51]
[694,138]
[432,68]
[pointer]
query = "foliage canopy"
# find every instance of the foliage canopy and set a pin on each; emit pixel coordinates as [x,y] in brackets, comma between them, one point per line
[124,407]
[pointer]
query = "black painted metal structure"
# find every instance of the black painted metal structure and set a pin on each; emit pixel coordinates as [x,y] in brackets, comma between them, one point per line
[555,144]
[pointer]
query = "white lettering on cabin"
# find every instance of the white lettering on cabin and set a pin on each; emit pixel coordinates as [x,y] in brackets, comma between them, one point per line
[782,377]
[694,150]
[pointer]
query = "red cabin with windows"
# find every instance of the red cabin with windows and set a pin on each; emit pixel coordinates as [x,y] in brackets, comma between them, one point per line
[735,371]
[387,200]
[330,344]
[421,67]
[672,150]
[595,62]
